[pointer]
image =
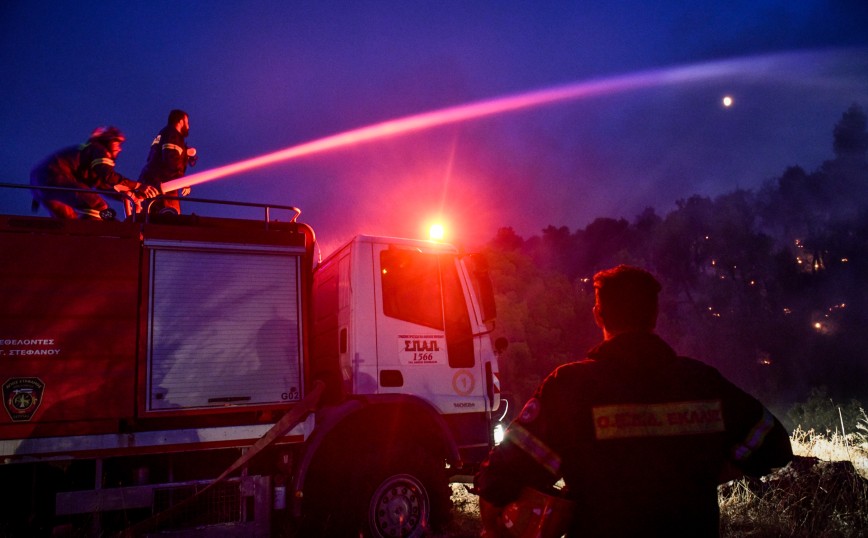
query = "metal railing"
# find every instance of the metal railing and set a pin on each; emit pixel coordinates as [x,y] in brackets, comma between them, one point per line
[127,199]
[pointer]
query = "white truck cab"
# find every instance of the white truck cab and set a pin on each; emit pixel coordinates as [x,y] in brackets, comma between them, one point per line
[409,317]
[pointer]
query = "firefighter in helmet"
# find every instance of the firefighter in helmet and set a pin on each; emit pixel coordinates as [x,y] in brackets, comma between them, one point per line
[168,159]
[640,436]
[87,166]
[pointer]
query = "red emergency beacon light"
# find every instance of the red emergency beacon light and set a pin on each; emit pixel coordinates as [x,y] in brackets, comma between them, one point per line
[436,232]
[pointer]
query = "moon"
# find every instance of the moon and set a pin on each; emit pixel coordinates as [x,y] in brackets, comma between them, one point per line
[727,101]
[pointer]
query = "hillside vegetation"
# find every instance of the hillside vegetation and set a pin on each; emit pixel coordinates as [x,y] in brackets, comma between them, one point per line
[768,286]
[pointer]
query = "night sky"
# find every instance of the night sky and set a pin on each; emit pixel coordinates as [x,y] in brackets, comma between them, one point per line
[259,76]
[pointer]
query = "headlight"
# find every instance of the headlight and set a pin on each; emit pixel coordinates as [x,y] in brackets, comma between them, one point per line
[498,433]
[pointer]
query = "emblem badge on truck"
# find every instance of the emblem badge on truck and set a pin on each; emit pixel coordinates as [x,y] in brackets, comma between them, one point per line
[22,396]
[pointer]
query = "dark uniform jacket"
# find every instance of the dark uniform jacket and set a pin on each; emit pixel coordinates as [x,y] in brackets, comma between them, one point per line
[89,165]
[167,160]
[641,438]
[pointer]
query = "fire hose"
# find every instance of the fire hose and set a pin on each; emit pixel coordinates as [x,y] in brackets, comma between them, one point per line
[286,423]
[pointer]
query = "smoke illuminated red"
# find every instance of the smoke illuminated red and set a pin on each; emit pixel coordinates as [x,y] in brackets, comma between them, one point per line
[481,109]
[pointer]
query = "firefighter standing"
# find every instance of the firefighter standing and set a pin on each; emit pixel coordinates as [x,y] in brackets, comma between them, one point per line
[87,166]
[168,159]
[640,436]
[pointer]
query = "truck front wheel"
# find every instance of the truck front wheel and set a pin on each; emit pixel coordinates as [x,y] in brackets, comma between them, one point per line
[399,506]
[377,494]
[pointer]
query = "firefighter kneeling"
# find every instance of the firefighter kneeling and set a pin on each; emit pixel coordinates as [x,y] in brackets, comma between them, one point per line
[78,171]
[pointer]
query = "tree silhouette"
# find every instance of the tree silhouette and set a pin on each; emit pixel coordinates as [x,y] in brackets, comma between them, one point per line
[768,286]
[850,140]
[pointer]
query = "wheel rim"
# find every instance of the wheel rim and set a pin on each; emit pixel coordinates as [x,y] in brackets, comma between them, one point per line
[400,507]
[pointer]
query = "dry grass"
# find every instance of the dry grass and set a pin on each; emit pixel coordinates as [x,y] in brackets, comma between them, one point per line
[832,448]
[465,521]
[822,494]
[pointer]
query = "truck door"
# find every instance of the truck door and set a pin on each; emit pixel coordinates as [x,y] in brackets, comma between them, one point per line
[425,345]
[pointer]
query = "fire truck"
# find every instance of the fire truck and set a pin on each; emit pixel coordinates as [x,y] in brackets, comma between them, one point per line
[209,375]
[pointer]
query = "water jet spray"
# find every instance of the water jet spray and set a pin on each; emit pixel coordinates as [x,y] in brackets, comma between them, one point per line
[490,107]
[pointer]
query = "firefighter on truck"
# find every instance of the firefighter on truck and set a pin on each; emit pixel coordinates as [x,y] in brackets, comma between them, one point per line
[87,166]
[168,159]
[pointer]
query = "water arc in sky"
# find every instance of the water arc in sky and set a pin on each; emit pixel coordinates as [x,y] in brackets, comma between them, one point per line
[491,107]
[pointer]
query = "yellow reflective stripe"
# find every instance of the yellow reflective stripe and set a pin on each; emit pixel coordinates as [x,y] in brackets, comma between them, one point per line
[536,449]
[104,160]
[174,147]
[622,421]
[755,438]
[90,212]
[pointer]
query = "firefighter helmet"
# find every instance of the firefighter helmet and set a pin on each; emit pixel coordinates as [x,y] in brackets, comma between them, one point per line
[107,134]
[537,515]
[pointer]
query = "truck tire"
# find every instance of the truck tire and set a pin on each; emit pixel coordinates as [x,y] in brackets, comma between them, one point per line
[403,494]
[400,505]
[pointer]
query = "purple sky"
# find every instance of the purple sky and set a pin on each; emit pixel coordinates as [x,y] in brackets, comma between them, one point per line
[260,76]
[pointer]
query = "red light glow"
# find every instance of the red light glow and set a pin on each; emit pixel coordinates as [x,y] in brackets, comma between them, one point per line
[436,232]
